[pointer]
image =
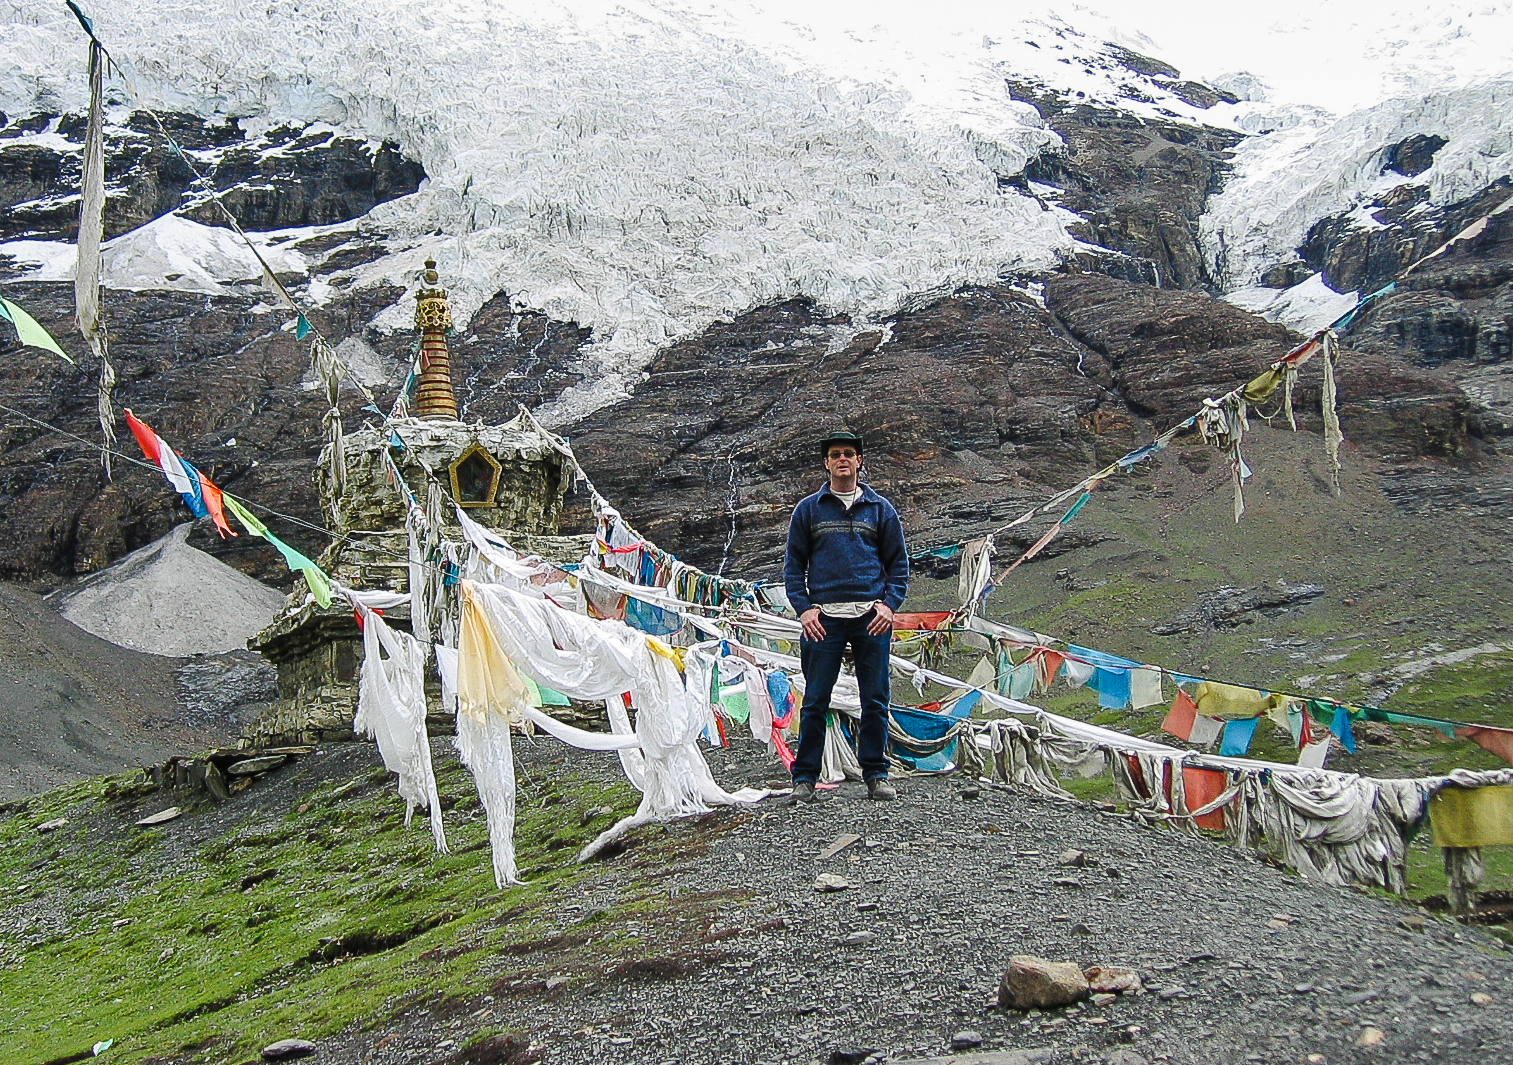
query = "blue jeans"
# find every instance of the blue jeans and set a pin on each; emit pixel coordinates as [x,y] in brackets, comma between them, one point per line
[822,664]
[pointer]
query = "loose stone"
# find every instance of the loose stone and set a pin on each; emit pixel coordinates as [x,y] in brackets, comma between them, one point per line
[1035,983]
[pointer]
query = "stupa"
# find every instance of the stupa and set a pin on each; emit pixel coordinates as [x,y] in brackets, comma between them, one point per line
[510,478]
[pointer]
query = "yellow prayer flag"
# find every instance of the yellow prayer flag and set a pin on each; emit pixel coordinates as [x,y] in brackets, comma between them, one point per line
[1472,817]
[486,678]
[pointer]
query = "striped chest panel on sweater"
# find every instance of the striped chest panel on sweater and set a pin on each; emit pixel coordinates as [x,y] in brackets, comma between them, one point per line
[865,529]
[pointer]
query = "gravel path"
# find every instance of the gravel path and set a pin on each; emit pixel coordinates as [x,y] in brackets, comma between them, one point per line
[737,958]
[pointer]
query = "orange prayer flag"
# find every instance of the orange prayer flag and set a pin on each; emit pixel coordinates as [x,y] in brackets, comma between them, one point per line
[1179,719]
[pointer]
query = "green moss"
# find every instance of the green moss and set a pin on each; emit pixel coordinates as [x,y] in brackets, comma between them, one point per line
[323,919]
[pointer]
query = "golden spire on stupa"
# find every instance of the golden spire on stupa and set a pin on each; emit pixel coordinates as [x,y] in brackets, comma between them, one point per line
[435,400]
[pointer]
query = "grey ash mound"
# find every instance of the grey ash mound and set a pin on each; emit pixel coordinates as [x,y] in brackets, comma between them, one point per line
[1242,961]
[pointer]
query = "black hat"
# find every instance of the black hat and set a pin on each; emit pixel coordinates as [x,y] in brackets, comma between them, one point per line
[840,436]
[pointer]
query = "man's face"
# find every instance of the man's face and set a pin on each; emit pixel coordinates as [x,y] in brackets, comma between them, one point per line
[842,460]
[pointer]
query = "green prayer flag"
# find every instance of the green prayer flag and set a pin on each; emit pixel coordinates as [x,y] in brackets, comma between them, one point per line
[29,332]
[1262,386]
[315,579]
[532,689]
[733,701]
[301,328]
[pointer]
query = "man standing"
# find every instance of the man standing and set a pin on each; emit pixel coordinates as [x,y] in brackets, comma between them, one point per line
[846,571]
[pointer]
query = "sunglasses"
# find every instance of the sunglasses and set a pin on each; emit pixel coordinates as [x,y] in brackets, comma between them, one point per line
[847,453]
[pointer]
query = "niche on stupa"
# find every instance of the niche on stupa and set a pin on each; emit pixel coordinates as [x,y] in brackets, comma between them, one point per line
[475,478]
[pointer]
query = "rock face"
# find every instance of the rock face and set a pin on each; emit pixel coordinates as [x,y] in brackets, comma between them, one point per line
[1139,184]
[975,405]
[1354,257]
[1168,349]
[968,405]
[1031,983]
[284,178]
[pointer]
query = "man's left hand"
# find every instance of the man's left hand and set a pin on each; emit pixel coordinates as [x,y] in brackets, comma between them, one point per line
[882,619]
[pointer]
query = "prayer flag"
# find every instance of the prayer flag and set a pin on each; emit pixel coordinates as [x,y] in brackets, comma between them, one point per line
[29,332]
[315,578]
[1113,688]
[1313,755]
[929,620]
[211,495]
[1340,726]
[1050,665]
[1180,718]
[1497,740]
[1144,687]
[1472,817]
[1237,736]
[1230,700]
[175,469]
[1205,731]
[1201,787]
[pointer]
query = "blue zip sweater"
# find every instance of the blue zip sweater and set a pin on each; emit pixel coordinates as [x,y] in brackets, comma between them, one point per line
[837,555]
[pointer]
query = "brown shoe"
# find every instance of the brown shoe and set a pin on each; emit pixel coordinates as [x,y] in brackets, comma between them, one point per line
[880,790]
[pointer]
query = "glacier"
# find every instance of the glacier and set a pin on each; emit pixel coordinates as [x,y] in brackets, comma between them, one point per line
[1287,180]
[648,167]
[629,167]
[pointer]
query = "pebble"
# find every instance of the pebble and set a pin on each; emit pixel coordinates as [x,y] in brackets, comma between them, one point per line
[51,826]
[1481,998]
[1370,1037]
[1103,998]
[1412,922]
[865,907]
[288,1049]
[857,939]
[826,882]
[969,794]
[1073,857]
[1166,994]
[966,1040]
[597,812]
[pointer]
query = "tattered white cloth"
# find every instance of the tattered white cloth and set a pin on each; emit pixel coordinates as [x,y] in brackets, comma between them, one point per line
[588,659]
[391,708]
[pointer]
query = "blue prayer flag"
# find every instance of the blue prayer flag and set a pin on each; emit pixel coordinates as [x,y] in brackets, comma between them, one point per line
[1237,736]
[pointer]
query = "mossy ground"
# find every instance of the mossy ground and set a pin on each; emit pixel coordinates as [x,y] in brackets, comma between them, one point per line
[300,920]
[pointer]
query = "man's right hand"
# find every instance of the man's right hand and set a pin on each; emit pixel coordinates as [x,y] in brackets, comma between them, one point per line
[814,630]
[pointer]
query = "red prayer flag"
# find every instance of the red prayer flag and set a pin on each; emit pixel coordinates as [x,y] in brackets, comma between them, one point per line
[1179,719]
[1050,665]
[916,621]
[1497,740]
[1203,786]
